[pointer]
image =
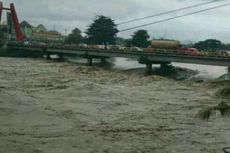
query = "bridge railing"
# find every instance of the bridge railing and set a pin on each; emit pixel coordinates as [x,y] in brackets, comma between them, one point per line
[157,52]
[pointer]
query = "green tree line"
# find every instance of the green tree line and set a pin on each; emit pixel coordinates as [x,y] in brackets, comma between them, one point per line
[103,31]
[211,45]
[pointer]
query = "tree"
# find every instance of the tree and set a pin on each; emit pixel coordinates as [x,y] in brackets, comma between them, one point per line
[74,37]
[102,31]
[128,43]
[225,46]
[209,44]
[140,38]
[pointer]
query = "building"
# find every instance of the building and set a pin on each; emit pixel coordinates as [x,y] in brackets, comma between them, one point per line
[40,28]
[4,28]
[40,33]
[10,27]
[49,36]
[3,33]
[27,29]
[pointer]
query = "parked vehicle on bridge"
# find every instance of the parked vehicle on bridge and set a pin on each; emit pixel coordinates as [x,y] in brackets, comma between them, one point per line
[27,43]
[170,46]
[190,51]
[216,53]
[165,44]
[136,49]
[116,47]
[96,46]
[224,53]
[82,45]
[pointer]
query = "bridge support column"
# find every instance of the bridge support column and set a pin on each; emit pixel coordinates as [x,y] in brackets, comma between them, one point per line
[90,61]
[166,69]
[60,56]
[47,56]
[163,66]
[148,69]
[103,60]
[228,74]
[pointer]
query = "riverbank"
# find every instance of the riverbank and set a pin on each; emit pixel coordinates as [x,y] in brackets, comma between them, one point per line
[61,107]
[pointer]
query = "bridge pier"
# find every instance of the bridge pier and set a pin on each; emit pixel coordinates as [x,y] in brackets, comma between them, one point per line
[47,56]
[60,56]
[228,74]
[103,60]
[148,69]
[163,66]
[90,61]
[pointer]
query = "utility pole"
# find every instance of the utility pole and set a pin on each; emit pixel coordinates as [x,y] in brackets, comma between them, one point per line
[65,31]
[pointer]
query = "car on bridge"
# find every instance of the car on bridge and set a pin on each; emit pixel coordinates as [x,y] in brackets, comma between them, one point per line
[224,53]
[191,51]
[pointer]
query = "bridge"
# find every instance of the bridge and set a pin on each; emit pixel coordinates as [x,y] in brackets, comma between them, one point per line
[162,57]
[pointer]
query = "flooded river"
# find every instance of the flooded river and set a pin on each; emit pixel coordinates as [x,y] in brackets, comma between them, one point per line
[205,72]
[61,107]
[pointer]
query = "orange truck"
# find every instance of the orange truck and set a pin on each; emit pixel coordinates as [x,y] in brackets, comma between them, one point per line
[167,46]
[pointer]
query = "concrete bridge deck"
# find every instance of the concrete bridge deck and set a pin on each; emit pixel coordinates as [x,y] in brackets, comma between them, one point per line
[148,58]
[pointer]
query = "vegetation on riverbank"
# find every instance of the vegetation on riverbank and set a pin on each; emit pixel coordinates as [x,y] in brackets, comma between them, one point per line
[223,107]
[224,92]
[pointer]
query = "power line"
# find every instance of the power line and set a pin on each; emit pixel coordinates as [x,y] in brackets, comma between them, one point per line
[143,25]
[172,11]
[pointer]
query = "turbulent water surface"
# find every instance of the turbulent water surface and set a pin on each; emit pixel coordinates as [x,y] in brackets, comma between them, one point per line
[49,107]
[205,72]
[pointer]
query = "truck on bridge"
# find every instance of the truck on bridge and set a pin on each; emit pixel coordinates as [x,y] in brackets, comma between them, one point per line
[169,45]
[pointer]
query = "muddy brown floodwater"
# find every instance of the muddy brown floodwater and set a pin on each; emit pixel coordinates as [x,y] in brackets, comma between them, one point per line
[49,107]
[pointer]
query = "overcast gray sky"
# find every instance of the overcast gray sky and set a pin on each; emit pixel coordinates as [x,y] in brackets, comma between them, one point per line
[68,14]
